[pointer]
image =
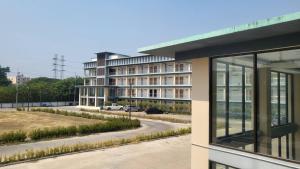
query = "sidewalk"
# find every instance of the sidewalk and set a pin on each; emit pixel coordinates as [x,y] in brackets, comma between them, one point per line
[170,153]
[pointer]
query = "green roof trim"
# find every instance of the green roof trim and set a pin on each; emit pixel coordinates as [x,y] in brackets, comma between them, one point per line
[230,30]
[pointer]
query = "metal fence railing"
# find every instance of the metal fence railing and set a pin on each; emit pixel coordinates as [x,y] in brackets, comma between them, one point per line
[38,104]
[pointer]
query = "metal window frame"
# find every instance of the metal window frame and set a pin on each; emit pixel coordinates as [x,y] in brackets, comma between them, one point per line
[255,100]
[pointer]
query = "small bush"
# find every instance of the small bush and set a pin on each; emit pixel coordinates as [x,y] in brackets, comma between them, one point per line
[13,136]
[52,132]
[112,125]
[20,109]
[153,110]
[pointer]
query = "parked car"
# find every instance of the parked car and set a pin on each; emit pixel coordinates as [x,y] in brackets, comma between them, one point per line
[153,110]
[46,105]
[132,108]
[114,106]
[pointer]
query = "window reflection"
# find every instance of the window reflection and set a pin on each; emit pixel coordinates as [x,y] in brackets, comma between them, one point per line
[277,105]
[215,165]
[277,75]
[232,97]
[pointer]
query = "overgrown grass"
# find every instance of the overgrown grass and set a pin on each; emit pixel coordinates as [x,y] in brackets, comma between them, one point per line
[169,119]
[111,124]
[54,151]
[12,137]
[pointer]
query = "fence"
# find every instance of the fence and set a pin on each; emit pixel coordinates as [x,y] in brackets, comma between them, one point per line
[38,104]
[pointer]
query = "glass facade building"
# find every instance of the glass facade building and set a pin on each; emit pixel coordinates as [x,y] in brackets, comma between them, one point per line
[246,105]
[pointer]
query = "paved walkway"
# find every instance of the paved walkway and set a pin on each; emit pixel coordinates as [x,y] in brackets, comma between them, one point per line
[171,153]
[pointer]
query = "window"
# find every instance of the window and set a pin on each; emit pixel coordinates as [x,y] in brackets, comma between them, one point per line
[112,81]
[153,93]
[232,114]
[153,69]
[91,91]
[179,80]
[100,92]
[179,67]
[101,61]
[131,70]
[179,93]
[278,99]
[131,81]
[112,71]
[100,71]
[255,103]
[215,165]
[131,92]
[100,81]
[121,92]
[153,81]
[168,80]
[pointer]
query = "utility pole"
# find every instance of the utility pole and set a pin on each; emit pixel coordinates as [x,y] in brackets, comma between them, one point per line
[40,96]
[74,102]
[70,93]
[55,64]
[28,96]
[17,93]
[62,65]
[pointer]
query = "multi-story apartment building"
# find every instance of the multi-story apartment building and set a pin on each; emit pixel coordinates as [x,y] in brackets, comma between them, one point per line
[113,77]
[246,103]
[18,79]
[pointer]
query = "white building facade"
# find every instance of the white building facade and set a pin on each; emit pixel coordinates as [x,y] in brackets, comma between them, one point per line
[19,79]
[113,77]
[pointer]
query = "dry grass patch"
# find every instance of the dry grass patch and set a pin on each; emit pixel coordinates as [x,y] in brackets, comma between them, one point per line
[28,121]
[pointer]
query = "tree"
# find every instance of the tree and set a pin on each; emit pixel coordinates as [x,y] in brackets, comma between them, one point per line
[3,76]
[42,89]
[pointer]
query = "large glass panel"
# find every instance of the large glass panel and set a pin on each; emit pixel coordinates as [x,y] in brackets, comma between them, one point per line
[215,165]
[279,104]
[232,107]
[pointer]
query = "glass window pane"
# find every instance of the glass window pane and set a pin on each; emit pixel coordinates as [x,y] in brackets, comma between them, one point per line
[278,101]
[232,101]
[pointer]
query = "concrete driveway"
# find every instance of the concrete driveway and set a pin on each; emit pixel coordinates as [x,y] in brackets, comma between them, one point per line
[170,153]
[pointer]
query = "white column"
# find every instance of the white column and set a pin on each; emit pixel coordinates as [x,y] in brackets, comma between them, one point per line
[96,97]
[87,96]
[79,100]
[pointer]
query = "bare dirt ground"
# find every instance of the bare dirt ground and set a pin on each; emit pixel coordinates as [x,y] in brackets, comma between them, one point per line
[26,121]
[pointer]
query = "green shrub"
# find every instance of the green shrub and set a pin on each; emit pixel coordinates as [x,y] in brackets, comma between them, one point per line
[13,136]
[52,132]
[112,125]
[20,109]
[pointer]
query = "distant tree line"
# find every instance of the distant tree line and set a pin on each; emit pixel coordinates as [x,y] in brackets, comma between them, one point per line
[38,89]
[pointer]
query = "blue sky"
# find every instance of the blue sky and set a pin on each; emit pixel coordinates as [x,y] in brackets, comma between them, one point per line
[32,31]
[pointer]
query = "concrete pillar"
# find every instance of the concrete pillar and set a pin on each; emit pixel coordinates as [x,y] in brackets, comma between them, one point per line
[200,114]
[96,95]
[264,119]
[106,94]
[87,96]
[79,99]
[174,68]
[297,114]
